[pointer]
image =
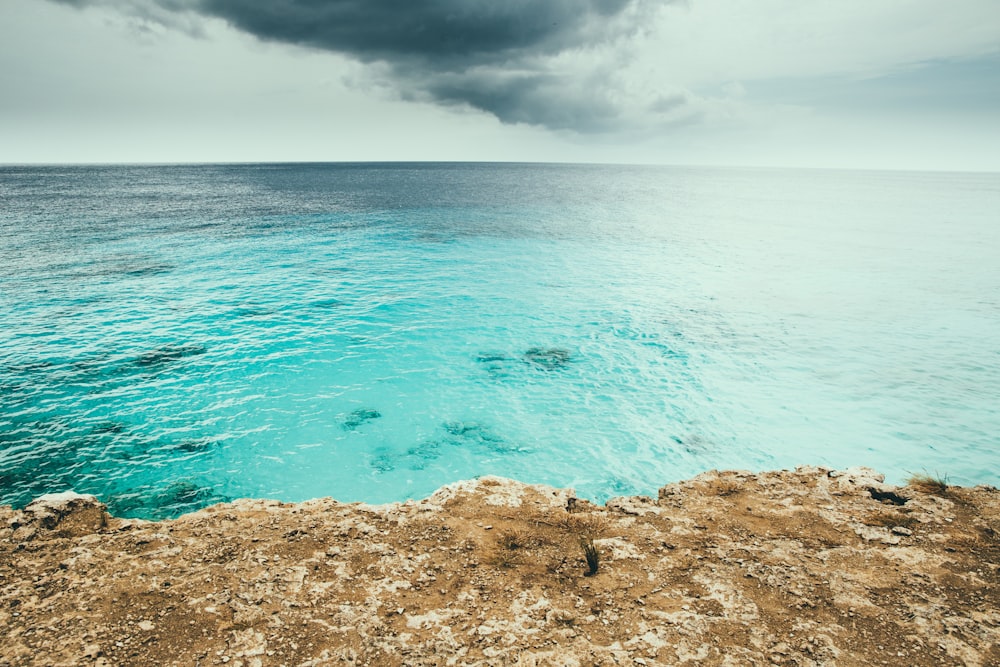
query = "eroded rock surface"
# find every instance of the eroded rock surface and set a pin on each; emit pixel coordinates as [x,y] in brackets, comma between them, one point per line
[811,567]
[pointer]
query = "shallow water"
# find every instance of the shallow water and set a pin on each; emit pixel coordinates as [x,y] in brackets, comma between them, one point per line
[173,336]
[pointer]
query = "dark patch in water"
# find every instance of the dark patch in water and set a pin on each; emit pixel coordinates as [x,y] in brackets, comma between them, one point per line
[327,303]
[132,267]
[428,449]
[494,363]
[176,498]
[359,417]
[333,270]
[473,433]
[414,458]
[384,463]
[251,311]
[420,455]
[10,388]
[183,493]
[464,429]
[91,365]
[669,352]
[108,427]
[30,366]
[168,353]
[193,446]
[457,434]
[497,372]
[694,443]
[620,487]
[147,269]
[547,358]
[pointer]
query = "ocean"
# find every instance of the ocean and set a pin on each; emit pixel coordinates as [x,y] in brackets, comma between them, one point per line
[176,336]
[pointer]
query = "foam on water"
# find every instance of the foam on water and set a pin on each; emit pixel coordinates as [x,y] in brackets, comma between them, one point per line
[173,336]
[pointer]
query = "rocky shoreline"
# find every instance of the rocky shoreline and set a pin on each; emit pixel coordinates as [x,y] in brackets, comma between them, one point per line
[804,567]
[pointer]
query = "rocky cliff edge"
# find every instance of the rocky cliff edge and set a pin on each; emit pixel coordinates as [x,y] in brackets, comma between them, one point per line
[804,567]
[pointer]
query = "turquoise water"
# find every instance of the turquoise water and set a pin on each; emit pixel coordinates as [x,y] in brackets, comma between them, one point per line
[175,336]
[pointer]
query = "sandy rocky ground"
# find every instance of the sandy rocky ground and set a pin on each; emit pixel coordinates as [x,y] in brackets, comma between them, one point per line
[811,567]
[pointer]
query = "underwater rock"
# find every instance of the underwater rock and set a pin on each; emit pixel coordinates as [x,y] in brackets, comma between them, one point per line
[471,430]
[251,311]
[359,417]
[183,493]
[152,269]
[474,433]
[177,497]
[129,503]
[548,358]
[494,363]
[420,455]
[694,443]
[94,365]
[126,264]
[428,449]
[193,446]
[327,303]
[383,463]
[462,429]
[414,458]
[30,366]
[169,353]
[108,427]
[10,388]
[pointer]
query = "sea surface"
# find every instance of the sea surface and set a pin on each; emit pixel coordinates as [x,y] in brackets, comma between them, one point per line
[173,336]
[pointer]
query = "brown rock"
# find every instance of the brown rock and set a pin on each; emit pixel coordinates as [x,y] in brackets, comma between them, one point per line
[729,568]
[74,514]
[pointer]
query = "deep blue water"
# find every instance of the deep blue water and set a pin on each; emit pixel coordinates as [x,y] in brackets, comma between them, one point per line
[174,336]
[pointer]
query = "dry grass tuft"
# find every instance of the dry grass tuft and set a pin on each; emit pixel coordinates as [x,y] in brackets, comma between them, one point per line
[514,539]
[513,546]
[927,483]
[505,559]
[585,526]
[541,545]
[591,555]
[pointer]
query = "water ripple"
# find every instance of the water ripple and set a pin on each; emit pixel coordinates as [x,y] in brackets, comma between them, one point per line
[205,333]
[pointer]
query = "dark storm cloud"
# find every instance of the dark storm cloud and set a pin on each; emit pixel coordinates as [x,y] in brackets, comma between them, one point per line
[492,55]
[536,99]
[441,32]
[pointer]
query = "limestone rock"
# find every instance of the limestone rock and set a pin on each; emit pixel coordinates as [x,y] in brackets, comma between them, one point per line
[804,567]
[72,513]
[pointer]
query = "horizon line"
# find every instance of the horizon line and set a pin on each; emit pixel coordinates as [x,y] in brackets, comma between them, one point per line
[562,163]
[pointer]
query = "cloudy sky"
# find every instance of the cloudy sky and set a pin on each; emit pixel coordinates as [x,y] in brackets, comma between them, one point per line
[824,83]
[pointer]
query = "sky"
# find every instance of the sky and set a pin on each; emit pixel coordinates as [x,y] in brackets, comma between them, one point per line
[881,84]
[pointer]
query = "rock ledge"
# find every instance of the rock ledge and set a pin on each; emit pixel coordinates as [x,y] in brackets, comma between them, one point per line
[805,567]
